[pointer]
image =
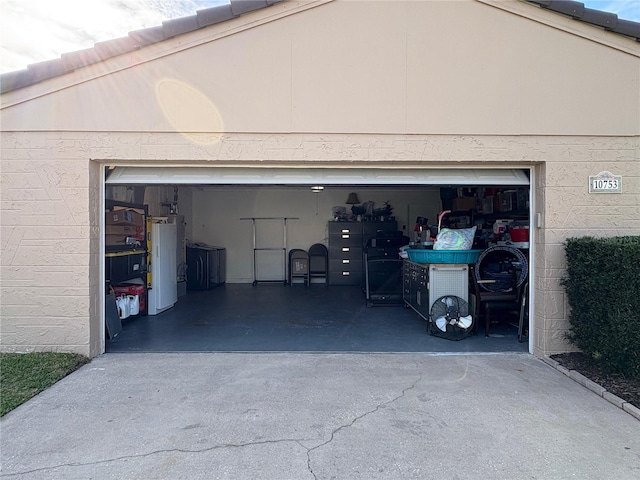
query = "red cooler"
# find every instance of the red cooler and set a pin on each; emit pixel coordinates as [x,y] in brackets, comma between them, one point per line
[132,289]
[519,234]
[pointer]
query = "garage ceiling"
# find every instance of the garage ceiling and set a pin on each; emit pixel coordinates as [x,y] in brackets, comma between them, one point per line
[315,176]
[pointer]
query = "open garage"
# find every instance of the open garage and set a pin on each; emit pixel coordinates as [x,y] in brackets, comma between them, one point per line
[259,303]
[215,122]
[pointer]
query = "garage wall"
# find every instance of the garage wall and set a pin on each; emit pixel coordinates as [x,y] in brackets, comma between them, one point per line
[217,214]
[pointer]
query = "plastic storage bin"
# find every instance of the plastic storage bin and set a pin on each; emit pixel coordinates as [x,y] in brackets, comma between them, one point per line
[443,256]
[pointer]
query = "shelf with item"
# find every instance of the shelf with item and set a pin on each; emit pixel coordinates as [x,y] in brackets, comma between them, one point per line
[125,227]
[126,259]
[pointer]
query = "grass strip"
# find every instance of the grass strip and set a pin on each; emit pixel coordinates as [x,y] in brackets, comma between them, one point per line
[24,375]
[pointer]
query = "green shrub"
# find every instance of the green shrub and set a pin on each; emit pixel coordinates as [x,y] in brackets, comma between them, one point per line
[603,291]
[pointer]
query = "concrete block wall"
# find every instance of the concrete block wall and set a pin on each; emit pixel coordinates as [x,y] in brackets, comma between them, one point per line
[50,242]
[571,211]
[51,209]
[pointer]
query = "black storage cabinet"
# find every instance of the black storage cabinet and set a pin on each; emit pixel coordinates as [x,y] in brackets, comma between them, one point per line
[347,241]
[123,266]
[206,267]
[383,269]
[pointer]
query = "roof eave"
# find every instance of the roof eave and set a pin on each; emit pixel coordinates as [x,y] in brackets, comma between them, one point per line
[606,20]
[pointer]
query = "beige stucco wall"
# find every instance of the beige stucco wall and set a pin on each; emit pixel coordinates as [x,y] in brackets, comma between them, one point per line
[431,83]
[423,67]
[50,225]
[49,229]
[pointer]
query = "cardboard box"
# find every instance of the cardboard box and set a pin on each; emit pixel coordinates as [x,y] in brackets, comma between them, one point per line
[125,231]
[124,217]
[116,240]
[464,203]
[120,240]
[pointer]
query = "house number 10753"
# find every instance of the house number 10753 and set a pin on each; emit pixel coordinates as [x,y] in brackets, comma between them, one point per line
[605,182]
[599,184]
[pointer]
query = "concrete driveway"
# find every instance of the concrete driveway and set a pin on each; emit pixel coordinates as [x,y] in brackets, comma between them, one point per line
[318,416]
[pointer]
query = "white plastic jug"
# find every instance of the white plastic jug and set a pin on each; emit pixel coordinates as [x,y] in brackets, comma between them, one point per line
[134,304]
[122,303]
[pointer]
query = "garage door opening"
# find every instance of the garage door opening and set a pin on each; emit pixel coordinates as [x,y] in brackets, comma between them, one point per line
[243,235]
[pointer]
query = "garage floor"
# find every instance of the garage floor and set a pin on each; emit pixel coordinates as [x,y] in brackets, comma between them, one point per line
[274,317]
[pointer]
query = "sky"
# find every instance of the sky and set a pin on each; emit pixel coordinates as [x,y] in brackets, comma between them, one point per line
[32,31]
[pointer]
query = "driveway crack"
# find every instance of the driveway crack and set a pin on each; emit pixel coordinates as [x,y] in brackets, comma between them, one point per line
[152,453]
[356,419]
[309,450]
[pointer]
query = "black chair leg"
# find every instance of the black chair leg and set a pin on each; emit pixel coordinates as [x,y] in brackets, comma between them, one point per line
[487,321]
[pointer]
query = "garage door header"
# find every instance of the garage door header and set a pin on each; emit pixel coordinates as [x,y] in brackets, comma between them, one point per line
[313,176]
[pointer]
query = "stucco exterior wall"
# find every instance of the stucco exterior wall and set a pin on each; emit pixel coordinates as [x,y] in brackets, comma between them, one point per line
[571,211]
[462,83]
[50,245]
[417,67]
[51,213]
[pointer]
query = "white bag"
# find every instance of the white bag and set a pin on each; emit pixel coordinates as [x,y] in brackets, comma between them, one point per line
[458,239]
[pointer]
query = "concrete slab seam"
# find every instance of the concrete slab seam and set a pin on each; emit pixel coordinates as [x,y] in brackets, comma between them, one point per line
[595,388]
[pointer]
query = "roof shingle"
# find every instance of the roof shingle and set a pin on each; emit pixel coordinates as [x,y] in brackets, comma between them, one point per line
[578,11]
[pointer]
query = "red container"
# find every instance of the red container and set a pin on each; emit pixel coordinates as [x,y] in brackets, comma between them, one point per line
[129,289]
[519,234]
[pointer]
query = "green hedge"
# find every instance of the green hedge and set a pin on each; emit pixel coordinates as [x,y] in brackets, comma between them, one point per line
[603,291]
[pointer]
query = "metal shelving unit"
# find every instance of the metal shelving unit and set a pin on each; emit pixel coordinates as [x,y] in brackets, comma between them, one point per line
[260,248]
